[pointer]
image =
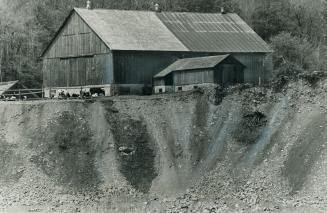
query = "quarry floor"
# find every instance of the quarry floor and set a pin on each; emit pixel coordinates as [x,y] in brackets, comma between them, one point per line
[244,150]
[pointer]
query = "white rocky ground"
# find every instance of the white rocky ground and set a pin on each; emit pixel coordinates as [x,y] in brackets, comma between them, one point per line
[256,151]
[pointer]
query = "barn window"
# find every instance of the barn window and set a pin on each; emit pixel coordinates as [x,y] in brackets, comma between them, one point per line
[180,88]
[160,90]
[195,87]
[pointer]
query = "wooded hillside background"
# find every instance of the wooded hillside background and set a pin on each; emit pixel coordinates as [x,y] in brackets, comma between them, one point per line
[296,29]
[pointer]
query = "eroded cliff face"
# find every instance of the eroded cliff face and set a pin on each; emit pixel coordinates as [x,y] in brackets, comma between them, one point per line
[254,150]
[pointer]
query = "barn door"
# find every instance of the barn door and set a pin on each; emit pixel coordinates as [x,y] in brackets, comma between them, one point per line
[77,70]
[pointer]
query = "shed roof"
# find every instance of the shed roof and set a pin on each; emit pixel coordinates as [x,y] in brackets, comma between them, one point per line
[172,31]
[192,64]
[4,86]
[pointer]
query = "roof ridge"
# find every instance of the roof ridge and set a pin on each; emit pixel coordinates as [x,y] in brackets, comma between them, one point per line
[140,30]
[210,56]
[97,9]
[180,12]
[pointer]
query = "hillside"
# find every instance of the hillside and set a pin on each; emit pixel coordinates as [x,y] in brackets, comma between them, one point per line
[254,151]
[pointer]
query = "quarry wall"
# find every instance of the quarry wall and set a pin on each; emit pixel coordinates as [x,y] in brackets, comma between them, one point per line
[164,146]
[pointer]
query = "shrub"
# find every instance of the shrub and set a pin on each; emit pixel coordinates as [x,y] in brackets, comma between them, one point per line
[292,55]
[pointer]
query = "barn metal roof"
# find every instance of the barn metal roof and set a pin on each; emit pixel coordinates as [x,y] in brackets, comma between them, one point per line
[171,31]
[4,86]
[192,64]
[213,32]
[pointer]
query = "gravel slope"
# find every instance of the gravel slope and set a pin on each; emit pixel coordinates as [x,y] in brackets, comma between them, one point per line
[255,151]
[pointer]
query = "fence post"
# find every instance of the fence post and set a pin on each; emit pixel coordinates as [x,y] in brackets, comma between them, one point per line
[42,95]
[19,92]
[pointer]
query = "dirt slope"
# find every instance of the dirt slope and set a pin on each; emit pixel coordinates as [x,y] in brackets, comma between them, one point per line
[255,151]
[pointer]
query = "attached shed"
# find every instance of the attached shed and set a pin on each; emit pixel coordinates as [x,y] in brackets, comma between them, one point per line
[191,73]
[6,86]
[14,90]
[121,51]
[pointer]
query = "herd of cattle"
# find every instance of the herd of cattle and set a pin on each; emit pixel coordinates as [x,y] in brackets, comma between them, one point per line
[59,94]
[83,94]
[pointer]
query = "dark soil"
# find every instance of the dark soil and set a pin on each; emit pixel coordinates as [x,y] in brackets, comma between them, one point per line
[135,150]
[67,152]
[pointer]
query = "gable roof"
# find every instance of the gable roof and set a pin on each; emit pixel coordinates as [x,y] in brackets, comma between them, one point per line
[192,64]
[131,30]
[171,31]
[4,86]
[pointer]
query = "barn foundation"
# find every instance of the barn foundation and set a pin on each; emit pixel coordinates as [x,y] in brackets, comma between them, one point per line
[101,90]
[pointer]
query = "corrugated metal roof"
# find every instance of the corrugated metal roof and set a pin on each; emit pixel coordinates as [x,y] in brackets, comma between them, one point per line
[192,64]
[131,30]
[4,86]
[213,32]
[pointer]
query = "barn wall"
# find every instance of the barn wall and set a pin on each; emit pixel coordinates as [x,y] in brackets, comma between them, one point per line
[77,57]
[159,82]
[136,67]
[133,67]
[257,65]
[193,77]
[229,74]
[76,39]
[79,71]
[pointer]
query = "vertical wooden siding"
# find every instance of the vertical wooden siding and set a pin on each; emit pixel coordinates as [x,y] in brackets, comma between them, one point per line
[76,39]
[257,65]
[135,67]
[77,71]
[77,57]
[139,67]
[194,77]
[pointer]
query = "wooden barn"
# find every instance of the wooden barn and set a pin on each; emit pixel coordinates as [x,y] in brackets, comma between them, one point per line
[192,73]
[120,51]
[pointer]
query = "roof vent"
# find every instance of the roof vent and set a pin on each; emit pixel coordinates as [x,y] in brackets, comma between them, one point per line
[222,10]
[88,5]
[157,7]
